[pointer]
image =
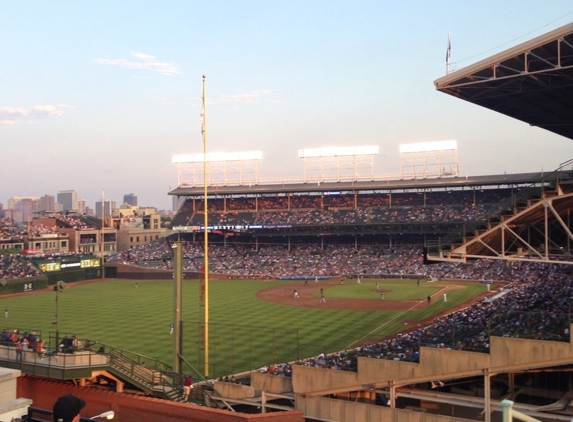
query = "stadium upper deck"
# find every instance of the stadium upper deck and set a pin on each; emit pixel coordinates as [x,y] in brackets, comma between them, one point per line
[500,180]
[531,82]
[356,217]
[386,212]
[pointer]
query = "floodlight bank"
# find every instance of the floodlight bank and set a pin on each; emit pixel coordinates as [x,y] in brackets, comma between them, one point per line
[429,146]
[217,157]
[338,151]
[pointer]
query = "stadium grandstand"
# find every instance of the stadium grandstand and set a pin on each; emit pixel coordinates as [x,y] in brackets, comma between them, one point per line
[511,349]
[517,224]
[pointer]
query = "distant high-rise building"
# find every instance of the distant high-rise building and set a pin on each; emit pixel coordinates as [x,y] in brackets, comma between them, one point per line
[105,208]
[130,199]
[27,207]
[47,203]
[15,215]
[82,205]
[24,207]
[68,199]
[13,201]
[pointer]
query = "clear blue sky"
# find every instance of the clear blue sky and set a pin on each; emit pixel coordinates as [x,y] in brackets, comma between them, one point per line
[101,94]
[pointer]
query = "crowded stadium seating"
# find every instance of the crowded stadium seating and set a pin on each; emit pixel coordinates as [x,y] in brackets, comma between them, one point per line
[527,308]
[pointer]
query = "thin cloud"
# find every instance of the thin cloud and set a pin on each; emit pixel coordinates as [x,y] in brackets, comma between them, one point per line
[14,115]
[142,56]
[245,97]
[142,61]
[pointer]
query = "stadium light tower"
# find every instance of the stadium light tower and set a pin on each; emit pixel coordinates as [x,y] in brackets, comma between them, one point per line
[226,168]
[346,162]
[429,159]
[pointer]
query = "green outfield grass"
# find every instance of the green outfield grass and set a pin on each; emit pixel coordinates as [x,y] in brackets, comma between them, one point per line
[245,332]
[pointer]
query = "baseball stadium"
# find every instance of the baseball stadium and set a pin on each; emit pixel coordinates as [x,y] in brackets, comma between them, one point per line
[341,295]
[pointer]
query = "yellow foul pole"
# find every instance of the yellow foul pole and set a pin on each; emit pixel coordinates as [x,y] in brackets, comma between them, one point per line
[205,232]
[102,234]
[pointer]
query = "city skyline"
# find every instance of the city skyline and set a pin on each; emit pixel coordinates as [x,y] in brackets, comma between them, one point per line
[92,106]
[68,200]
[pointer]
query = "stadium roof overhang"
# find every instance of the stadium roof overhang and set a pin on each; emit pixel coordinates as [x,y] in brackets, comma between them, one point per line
[516,179]
[532,82]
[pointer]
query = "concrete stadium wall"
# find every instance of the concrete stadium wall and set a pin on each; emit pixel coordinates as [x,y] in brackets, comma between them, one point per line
[306,379]
[351,411]
[513,351]
[433,361]
[276,384]
[234,391]
[443,361]
[135,408]
[371,369]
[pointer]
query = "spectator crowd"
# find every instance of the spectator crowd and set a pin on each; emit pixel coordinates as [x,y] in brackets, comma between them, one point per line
[536,305]
[348,209]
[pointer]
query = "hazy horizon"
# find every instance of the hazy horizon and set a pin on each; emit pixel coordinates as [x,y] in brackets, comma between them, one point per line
[101,96]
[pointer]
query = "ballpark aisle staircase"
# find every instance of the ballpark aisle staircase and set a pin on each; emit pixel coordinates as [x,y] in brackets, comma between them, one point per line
[154,378]
[134,370]
[148,374]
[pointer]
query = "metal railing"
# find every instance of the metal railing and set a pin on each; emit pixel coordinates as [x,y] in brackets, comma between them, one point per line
[67,357]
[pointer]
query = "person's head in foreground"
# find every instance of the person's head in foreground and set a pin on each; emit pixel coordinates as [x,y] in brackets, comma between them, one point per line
[67,408]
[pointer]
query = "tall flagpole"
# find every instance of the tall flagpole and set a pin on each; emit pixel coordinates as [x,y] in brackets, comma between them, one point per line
[448,53]
[205,231]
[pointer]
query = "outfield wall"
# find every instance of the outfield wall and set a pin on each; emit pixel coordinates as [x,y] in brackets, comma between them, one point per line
[132,272]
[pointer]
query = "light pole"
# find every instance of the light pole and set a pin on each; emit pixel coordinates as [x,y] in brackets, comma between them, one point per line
[58,287]
[102,235]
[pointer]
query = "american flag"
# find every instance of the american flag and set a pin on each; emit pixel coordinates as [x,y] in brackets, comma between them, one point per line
[449,50]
